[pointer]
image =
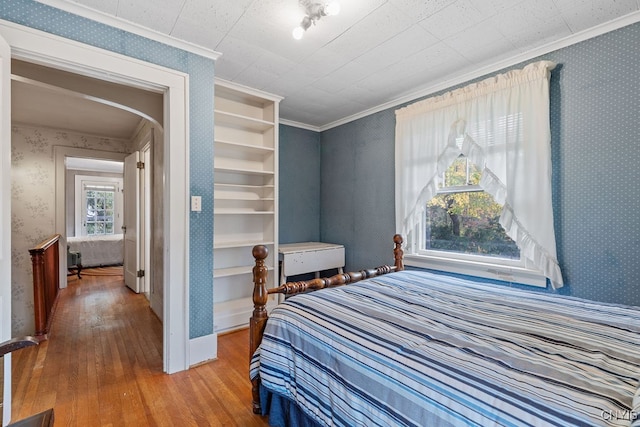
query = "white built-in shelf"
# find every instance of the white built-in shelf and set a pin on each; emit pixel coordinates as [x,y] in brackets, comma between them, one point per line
[247,211]
[242,171]
[245,197]
[240,244]
[251,197]
[222,184]
[234,271]
[236,120]
[243,146]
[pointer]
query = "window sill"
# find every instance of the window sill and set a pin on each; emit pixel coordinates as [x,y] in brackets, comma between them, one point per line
[503,273]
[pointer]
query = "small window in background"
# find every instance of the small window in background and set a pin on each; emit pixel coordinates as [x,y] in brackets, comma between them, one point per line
[99,210]
[463,219]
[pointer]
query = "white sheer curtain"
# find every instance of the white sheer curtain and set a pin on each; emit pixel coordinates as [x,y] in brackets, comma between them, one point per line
[503,122]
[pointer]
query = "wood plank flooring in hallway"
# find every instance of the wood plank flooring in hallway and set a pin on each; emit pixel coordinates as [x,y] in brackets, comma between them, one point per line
[102,366]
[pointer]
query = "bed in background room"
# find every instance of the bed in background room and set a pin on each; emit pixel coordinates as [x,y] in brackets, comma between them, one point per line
[416,348]
[98,251]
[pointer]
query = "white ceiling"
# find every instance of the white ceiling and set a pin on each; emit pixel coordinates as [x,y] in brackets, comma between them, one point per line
[372,53]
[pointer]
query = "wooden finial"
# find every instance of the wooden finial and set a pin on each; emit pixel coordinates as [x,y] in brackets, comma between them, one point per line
[398,253]
[260,252]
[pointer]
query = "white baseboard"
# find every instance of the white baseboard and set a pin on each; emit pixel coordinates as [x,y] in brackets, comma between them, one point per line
[203,349]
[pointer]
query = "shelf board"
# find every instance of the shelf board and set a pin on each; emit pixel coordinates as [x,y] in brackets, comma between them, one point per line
[245,199]
[234,314]
[235,271]
[243,171]
[241,212]
[244,146]
[240,303]
[240,244]
[243,186]
[223,118]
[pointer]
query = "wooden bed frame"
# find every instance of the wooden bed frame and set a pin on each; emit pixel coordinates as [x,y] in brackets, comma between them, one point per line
[261,294]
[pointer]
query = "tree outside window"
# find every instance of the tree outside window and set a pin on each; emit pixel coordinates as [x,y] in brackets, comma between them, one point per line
[100,212]
[462,218]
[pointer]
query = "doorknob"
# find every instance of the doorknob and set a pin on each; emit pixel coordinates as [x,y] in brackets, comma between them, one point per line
[124,228]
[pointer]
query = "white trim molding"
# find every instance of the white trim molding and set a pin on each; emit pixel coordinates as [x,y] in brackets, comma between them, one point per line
[300,125]
[46,49]
[203,349]
[510,274]
[122,24]
[468,75]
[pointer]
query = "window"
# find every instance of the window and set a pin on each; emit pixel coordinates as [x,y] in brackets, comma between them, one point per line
[100,209]
[98,205]
[464,219]
[473,179]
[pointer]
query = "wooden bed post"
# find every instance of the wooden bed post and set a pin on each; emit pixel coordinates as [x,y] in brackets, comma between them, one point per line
[259,317]
[261,293]
[398,253]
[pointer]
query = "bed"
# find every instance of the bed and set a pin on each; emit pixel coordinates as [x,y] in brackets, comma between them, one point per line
[98,251]
[398,347]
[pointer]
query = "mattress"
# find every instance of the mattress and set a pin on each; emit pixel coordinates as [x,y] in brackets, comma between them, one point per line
[414,348]
[98,250]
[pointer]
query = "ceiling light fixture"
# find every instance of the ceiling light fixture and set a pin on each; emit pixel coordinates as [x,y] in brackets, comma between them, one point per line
[313,12]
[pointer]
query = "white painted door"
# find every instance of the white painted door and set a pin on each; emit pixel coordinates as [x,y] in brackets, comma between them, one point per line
[5,222]
[145,215]
[131,221]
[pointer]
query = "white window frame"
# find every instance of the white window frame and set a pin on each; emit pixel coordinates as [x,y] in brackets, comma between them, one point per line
[80,180]
[488,267]
[479,267]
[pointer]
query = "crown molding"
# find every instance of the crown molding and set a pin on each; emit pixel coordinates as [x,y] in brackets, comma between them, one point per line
[112,21]
[249,90]
[581,36]
[299,125]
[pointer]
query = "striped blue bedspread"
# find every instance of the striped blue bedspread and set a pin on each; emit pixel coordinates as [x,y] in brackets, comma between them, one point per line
[419,349]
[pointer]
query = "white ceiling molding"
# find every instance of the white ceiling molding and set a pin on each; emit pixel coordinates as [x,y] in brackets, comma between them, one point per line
[95,15]
[375,55]
[300,125]
[632,18]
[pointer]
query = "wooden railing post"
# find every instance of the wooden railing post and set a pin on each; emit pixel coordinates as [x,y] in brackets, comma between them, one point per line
[37,264]
[45,262]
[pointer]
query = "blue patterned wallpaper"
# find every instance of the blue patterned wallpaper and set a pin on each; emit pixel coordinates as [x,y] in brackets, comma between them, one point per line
[299,187]
[595,126]
[201,74]
[358,187]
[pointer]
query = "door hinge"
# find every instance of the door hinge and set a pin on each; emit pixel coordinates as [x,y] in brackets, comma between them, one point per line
[140,165]
[140,273]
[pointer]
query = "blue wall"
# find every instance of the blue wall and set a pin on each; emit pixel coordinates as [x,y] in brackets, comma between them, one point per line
[201,73]
[358,184]
[595,98]
[595,108]
[299,187]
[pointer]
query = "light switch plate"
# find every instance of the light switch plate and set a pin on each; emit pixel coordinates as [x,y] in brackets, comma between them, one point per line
[196,203]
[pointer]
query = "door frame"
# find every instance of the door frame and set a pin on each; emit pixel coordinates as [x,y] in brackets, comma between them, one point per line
[145,214]
[46,49]
[5,224]
[131,205]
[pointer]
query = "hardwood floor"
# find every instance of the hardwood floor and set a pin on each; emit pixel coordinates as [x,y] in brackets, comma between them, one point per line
[102,366]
